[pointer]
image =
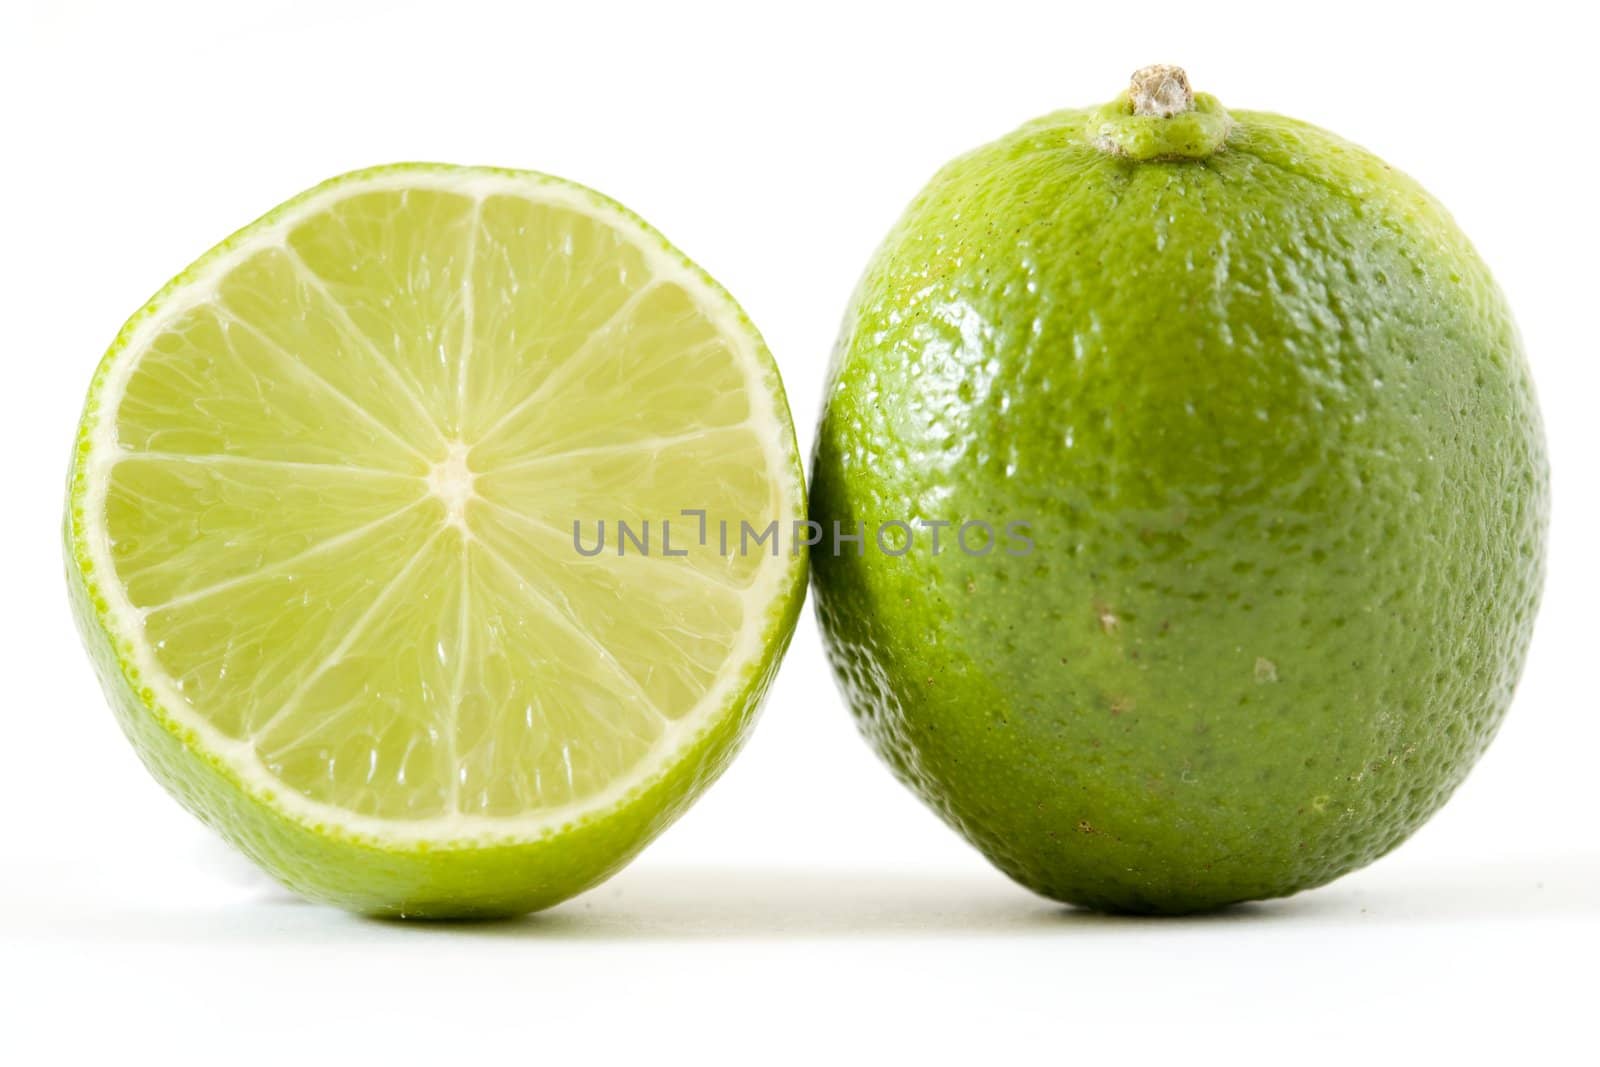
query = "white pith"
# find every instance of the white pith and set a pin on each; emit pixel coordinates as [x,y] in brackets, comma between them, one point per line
[451,482]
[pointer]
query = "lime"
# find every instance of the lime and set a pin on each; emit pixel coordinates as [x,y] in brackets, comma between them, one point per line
[1244,446]
[375,536]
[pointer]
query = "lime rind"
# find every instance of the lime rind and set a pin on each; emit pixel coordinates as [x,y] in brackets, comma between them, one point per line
[1194,134]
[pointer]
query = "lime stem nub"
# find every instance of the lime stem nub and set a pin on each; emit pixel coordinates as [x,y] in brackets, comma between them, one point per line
[1160,91]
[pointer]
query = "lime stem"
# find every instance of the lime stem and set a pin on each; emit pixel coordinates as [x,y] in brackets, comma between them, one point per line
[1160,91]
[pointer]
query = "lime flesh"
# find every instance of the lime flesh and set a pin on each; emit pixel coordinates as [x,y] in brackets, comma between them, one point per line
[321,537]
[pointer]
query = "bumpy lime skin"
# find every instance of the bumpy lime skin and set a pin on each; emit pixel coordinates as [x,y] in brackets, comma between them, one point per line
[461,879]
[1269,419]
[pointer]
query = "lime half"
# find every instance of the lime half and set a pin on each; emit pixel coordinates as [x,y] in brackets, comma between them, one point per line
[397,530]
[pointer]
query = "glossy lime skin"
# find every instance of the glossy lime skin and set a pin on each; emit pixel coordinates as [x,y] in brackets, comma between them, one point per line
[1270,423]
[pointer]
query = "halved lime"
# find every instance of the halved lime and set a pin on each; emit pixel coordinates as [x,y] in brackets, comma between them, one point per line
[395,529]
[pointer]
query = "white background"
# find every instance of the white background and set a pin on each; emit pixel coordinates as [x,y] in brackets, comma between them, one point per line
[808,905]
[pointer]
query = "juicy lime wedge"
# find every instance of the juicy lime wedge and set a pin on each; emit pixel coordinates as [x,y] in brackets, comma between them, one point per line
[396,531]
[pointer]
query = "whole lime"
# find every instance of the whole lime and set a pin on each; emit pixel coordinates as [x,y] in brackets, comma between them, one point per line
[1246,497]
